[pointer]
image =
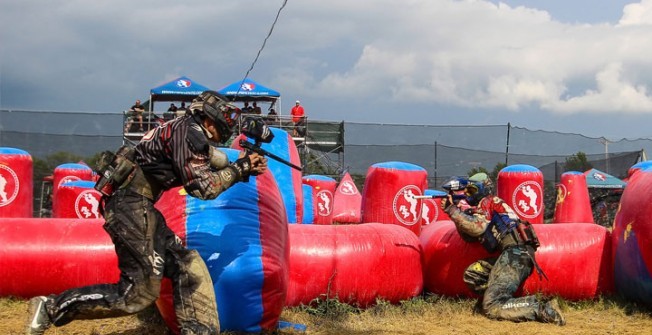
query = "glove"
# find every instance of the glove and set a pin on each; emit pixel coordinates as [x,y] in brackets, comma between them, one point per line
[243,168]
[446,202]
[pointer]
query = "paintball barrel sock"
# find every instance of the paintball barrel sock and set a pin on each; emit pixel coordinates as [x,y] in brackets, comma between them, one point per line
[256,129]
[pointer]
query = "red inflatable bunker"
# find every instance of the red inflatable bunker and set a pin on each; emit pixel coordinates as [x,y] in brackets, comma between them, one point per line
[78,200]
[575,257]
[521,186]
[347,202]
[16,189]
[573,204]
[46,256]
[388,194]
[355,263]
[322,198]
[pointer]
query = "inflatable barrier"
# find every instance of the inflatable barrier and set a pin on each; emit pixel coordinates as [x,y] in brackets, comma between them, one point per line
[308,205]
[632,239]
[521,186]
[16,189]
[354,263]
[288,179]
[572,204]
[388,194]
[46,256]
[347,202]
[242,235]
[323,194]
[575,257]
[78,200]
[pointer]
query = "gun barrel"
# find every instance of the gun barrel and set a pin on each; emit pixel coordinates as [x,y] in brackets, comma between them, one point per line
[429,196]
[261,151]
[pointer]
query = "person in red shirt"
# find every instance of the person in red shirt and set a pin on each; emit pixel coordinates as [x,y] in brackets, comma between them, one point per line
[298,117]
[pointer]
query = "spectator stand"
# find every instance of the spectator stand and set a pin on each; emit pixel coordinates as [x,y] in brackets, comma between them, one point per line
[182,89]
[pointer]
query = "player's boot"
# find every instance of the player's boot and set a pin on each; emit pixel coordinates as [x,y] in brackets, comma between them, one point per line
[39,320]
[551,313]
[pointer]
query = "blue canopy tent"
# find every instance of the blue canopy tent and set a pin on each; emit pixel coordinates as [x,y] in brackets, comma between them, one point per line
[180,89]
[598,179]
[249,90]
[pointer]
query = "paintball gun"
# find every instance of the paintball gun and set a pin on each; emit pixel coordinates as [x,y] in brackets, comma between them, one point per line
[256,129]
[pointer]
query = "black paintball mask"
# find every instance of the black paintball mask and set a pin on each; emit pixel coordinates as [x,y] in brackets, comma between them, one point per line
[216,107]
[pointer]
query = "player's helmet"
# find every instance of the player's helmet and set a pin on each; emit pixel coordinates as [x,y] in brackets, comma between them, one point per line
[217,108]
[456,184]
[480,186]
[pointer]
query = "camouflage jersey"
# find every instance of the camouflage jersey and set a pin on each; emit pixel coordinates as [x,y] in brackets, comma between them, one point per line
[177,154]
[484,224]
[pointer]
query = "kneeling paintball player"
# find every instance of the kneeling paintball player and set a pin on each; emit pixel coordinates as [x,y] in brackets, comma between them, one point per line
[494,224]
[176,154]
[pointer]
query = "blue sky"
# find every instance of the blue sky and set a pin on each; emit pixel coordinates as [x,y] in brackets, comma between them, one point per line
[571,66]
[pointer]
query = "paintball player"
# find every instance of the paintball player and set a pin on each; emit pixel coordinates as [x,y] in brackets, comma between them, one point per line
[175,154]
[493,223]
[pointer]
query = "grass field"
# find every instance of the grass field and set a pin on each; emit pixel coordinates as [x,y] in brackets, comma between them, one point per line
[423,315]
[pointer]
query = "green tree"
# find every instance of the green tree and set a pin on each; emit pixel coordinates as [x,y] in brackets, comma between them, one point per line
[577,162]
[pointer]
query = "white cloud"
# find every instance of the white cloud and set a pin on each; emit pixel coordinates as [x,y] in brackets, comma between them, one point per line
[476,54]
[637,14]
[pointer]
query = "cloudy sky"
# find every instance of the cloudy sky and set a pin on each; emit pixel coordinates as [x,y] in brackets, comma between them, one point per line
[582,66]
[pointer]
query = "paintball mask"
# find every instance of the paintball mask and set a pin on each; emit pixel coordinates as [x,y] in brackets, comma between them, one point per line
[480,186]
[456,187]
[217,108]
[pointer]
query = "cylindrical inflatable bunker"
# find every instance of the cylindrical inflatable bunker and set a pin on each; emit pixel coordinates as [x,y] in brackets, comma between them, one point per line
[356,264]
[573,204]
[388,194]
[77,199]
[242,236]
[347,202]
[308,205]
[632,238]
[16,185]
[575,258]
[431,208]
[323,194]
[521,186]
[49,256]
[288,179]
[68,172]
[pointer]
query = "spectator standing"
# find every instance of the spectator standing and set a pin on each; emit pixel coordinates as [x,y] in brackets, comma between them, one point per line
[298,119]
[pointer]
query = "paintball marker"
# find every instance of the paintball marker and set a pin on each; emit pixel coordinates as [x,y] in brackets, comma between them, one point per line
[257,130]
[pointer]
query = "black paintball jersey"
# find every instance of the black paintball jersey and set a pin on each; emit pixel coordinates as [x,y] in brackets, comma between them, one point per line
[177,154]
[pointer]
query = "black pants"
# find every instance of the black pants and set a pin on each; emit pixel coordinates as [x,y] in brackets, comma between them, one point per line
[147,251]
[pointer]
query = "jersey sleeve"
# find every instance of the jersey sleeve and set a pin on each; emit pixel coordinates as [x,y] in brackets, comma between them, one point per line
[193,165]
[473,225]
